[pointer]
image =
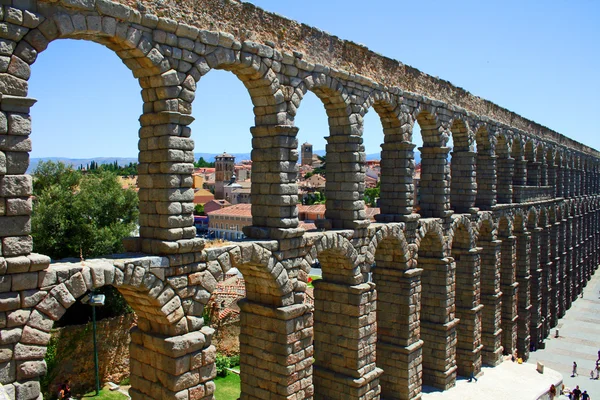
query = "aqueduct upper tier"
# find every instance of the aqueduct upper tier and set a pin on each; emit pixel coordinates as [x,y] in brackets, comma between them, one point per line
[501,242]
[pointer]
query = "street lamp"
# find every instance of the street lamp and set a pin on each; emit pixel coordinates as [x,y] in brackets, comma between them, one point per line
[95,300]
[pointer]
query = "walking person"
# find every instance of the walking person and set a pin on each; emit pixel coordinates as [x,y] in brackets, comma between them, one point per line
[574,370]
[65,390]
[552,392]
[472,373]
[585,395]
[576,393]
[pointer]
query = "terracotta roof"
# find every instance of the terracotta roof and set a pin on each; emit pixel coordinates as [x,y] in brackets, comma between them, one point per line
[238,210]
[308,226]
[203,196]
[315,208]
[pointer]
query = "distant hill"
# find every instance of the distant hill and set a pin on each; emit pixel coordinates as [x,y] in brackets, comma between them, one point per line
[123,161]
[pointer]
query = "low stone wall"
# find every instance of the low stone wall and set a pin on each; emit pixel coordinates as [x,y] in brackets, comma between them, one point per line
[75,353]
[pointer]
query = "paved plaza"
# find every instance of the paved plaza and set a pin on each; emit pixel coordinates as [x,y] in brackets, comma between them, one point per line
[579,341]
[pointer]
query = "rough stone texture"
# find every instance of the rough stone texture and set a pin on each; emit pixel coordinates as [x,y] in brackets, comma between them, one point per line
[480,259]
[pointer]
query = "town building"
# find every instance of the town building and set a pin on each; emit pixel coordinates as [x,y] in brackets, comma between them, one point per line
[224,171]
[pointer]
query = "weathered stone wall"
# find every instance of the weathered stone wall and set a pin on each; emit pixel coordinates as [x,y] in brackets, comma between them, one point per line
[75,353]
[459,297]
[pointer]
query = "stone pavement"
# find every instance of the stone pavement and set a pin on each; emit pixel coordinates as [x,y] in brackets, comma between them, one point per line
[579,341]
[508,381]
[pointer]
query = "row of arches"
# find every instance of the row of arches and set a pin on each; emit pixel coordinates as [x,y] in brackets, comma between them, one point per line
[491,162]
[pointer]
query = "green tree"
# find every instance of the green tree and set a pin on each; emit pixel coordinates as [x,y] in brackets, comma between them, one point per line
[199,209]
[371,195]
[202,163]
[74,212]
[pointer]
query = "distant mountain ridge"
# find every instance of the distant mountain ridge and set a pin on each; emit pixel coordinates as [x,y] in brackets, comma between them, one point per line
[123,161]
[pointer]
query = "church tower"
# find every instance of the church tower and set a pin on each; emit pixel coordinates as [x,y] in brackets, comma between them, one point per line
[224,170]
[307,154]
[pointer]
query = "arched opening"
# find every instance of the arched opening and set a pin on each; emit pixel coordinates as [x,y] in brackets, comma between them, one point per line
[431,186]
[386,179]
[520,175]
[313,129]
[533,170]
[438,324]
[398,304]
[508,286]
[506,170]
[345,153]
[468,301]
[344,319]
[222,174]
[69,129]
[462,172]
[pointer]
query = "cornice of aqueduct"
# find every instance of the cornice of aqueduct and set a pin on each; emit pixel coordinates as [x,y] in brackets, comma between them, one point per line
[353,61]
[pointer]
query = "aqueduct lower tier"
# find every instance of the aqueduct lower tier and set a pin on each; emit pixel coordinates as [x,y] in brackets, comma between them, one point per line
[503,239]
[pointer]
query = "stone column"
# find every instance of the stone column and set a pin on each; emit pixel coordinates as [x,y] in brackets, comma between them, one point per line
[486,180]
[344,346]
[506,170]
[433,187]
[544,173]
[552,177]
[345,182]
[509,288]
[172,367]
[468,311]
[519,178]
[536,287]
[438,324]
[397,181]
[399,346]
[524,299]
[463,185]
[564,279]
[560,182]
[274,188]
[567,183]
[165,183]
[491,299]
[546,280]
[576,257]
[568,257]
[276,351]
[556,273]
[533,173]
[15,186]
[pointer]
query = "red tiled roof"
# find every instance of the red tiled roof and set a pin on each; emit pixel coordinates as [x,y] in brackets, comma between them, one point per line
[238,210]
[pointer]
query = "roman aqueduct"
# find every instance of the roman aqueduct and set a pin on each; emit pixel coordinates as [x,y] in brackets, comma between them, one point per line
[493,258]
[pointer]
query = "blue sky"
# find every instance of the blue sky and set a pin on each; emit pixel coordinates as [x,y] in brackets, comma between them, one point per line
[539,59]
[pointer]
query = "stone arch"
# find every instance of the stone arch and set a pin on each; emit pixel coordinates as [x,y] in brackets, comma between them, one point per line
[398,304]
[148,62]
[345,152]
[506,169]
[397,155]
[467,295]
[266,279]
[533,170]
[438,324]
[546,265]
[462,172]
[523,276]
[432,196]
[338,356]
[161,316]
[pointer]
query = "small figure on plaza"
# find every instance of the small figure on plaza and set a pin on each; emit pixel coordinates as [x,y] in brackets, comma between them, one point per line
[472,373]
[574,369]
